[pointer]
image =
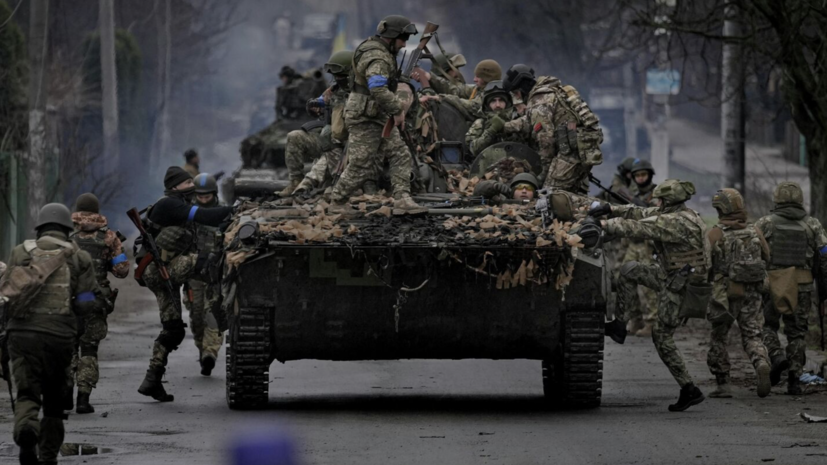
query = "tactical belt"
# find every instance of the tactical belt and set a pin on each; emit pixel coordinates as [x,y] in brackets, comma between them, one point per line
[677,260]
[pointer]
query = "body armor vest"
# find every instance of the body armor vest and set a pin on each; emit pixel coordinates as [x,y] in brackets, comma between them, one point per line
[360,83]
[789,243]
[55,296]
[205,237]
[674,260]
[97,248]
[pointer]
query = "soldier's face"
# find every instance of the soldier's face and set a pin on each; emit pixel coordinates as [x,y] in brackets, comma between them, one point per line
[205,198]
[497,103]
[185,185]
[523,192]
[479,82]
[400,43]
[641,177]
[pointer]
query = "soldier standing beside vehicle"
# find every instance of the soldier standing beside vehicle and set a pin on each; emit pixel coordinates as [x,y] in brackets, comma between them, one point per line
[739,254]
[202,297]
[170,221]
[92,234]
[566,131]
[679,236]
[41,336]
[798,245]
[496,124]
[371,102]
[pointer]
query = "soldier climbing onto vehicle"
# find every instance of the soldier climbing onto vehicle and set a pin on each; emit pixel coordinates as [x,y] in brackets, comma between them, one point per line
[496,125]
[92,234]
[739,268]
[798,246]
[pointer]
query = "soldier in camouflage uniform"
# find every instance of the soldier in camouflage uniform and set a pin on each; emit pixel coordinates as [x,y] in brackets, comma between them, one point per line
[467,98]
[798,245]
[202,297]
[567,133]
[496,124]
[93,235]
[678,234]
[171,221]
[642,318]
[41,337]
[372,101]
[739,254]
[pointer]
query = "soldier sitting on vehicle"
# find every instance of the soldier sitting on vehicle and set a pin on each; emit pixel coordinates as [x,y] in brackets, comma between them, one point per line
[466,98]
[496,124]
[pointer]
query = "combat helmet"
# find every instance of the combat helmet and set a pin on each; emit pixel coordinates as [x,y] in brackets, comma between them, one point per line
[396,27]
[54,213]
[642,165]
[205,184]
[87,202]
[674,191]
[339,63]
[495,89]
[728,201]
[788,192]
[625,167]
[525,178]
[520,77]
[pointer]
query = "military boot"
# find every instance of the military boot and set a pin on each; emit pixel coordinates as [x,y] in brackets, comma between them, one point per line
[339,208]
[288,190]
[207,364]
[616,329]
[762,371]
[634,326]
[407,205]
[83,403]
[646,331]
[27,440]
[690,395]
[794,385]
[779,364]
[724,390]
[152,386]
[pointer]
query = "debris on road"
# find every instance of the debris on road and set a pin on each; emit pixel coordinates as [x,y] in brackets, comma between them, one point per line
[813,418]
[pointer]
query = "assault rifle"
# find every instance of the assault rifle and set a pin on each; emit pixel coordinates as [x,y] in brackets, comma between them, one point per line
[542,207]
[619,197]
[413,62]
[153,253]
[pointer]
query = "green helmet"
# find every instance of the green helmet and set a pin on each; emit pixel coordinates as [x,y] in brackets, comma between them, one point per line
[495,89]
[788,192]
[525,178]
[54,213]
[339,63]
[642,165]
[205,184]
[396,26]
[674,191]
[626,166]
[87,202]
[728,201]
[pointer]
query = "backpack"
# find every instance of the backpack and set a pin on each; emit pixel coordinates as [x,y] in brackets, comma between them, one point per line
[742,249]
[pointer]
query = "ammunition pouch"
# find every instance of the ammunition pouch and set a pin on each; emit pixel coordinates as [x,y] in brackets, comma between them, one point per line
[747,272]
[676,260]
[696,299]
[174,241]
[311,125]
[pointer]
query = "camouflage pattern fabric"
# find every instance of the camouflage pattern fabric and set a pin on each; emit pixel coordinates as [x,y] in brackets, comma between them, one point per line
[323,170]
[180,269]
[480,137]
[87,224]
[445,86]
[374,70]
[796,327]
[202,324]
[84,367]
[302,147]
[748,313]
[646,307]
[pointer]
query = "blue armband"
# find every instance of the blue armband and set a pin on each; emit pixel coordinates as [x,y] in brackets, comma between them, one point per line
[192,213]
[119,259]
[377,81]
[84,297]
[823,250]
[321,101]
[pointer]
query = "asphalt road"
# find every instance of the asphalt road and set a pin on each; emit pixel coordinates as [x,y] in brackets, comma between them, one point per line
[432,412]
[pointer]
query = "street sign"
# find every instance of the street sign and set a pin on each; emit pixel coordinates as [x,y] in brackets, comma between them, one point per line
[663,81]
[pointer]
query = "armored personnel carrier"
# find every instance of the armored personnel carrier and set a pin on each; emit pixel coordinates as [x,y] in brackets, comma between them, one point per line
[462,280]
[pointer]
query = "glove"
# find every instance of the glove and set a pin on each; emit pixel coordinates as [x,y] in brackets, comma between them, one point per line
[496,124]
[314,106]
[503,189]
[600,210]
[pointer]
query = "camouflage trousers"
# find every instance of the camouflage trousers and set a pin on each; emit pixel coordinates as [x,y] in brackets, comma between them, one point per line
[647,304]
[200,301]
[365,151]
[633,274]
[323,170]
[180,269]
[302,147]
[795,328]
[39,363]
[92,330]
[747,312]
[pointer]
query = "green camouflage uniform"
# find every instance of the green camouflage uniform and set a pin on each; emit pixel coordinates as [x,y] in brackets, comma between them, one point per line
[803,242]
[467,98]
[303,146]
[203,297]
[678,233]
[371,102]
[41,342]
[480,137]
[331,143]
[642,252]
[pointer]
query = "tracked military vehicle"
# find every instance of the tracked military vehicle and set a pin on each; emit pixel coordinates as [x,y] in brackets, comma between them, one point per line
[462,280]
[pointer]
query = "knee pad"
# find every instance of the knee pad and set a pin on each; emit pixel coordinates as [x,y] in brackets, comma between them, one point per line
[88,350]
[628,267]
[173,334]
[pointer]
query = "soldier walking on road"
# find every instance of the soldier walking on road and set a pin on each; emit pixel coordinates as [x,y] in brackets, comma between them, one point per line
[171,221]
[92,234]
[41,336]
[798,245]
[679,236]
[739,254]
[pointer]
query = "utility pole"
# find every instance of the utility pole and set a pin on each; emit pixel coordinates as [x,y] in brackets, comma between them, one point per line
[733,99]
[34,163]
[109,88]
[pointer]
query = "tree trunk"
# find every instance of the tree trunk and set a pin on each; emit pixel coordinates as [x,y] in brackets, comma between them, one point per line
[109,89]
[817,161]
[732,104]
[34,162]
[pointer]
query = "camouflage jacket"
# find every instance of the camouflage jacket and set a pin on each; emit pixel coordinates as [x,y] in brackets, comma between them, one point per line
[816,242]
[444,86]
[677,232]
[479,137]
[93,226]
[373,99]
[620,187]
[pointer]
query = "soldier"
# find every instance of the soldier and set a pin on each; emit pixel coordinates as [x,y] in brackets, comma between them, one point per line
[202,297]
[642,318]
[288,95]
[371,102]
[678,234]
[92,234]
[739,251]
[313,140]
[496,124]
[447,67]
[621,182]
[192,162]
[170,221]
[566,131]
[798,245]
[467,98]
[521,187]
[41,337]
